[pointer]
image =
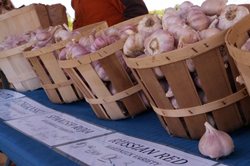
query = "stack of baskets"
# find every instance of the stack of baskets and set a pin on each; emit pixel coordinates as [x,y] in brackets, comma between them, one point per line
[227,104]
[58,86]
[16,68]
[105,105]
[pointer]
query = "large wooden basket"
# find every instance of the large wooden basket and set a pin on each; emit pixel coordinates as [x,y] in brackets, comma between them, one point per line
[235,38]
[26,18]
[56,83]
[227,103]
[105,105]
[17,69]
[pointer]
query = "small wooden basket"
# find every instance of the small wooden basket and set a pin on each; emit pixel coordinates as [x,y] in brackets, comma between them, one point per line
[56,83]
[235,38]
[17,69]
[105,105]
[227,103]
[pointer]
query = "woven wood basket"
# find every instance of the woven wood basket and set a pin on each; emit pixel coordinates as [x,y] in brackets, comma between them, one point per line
[17,69]
[105,105]
[227,103]
[20,20]
[235,38]
[54,80]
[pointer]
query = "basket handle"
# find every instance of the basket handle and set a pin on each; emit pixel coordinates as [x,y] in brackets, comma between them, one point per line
[115,97]
[185,112]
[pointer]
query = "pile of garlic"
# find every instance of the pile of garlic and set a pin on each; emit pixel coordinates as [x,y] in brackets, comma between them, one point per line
[179,28]
[215,143]
[14,41]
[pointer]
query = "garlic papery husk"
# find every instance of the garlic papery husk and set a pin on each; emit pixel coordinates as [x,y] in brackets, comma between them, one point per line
[101,42]
[149,24]
[230,15]
[246,45]
[100,71]
[75,50]
[189,61]
[169,12]
[42,35]
[183,9]
[123,31]
[170,20]
[188,34]
[157,70]
[210,31]
[215,143]
[113,32]
[159,42]
[87,41]
[240,80]
[61,34]
[197,20]
[213,7]
[134,45]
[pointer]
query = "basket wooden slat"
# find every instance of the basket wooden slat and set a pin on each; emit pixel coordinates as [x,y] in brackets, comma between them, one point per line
[17,69]
[235,38]
[216,80]
[58,85]
[104,104]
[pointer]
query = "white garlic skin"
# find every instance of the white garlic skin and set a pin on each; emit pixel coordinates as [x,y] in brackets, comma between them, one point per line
[213,7]
[215,143]
[230,15]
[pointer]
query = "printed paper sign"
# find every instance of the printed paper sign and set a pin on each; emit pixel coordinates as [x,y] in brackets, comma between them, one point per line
[9,94]
[21,107]
[57,128]
[122,150]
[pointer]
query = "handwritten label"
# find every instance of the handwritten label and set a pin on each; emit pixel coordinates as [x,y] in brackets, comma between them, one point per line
[21,107]
[120,150]
[57,128]
[9,95]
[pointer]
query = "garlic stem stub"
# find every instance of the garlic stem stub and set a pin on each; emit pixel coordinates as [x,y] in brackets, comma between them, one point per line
[215,143]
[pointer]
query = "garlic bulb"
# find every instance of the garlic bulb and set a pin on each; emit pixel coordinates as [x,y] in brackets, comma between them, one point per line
[134,45]
[188,34]
[61,34]
[246,45]
[101,42]
[215,143]
[174,102]
[88,40]
[210,31]
[230,15]
[75,50]
[169,12]
[183,9]
[197,20]
[123,31]
[213,7]
[149,24]
[159,42]
[170,20]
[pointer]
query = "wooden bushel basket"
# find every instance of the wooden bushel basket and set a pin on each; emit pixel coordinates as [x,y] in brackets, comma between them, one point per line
[235,38]
[227,103]
[17,69]
[104,104]
[56,83]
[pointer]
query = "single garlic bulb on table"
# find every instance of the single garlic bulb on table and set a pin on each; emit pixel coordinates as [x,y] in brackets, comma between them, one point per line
[215,143]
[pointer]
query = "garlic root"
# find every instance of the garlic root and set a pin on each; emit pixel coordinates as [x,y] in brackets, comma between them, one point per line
[215,143]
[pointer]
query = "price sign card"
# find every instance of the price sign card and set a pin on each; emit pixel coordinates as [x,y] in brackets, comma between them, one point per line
[119,150]
[9,94]
[57,128]
[21,107]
